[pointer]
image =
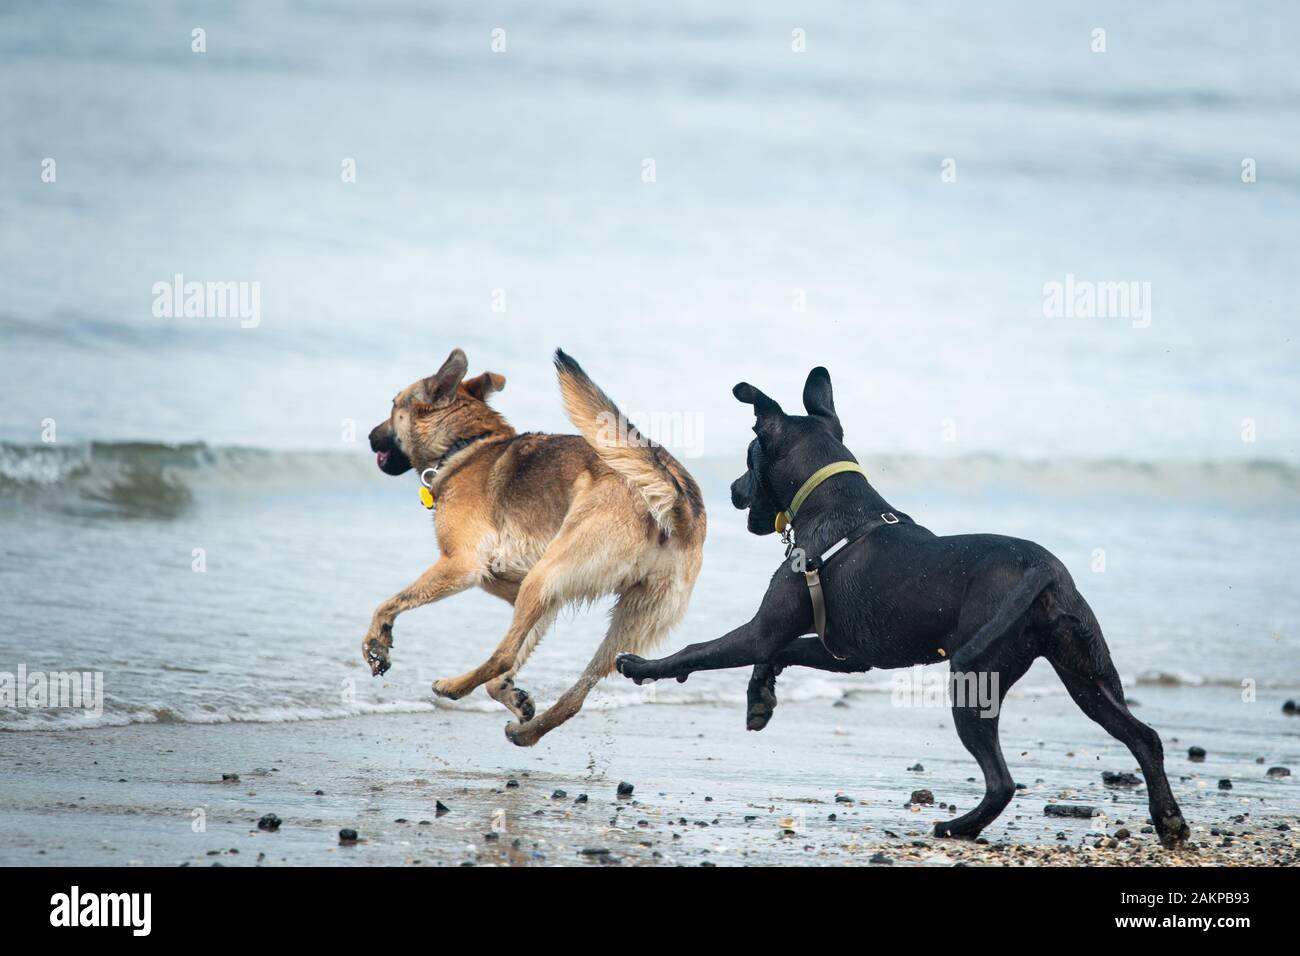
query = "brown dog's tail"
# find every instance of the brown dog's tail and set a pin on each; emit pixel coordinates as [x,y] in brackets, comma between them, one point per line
[669,490]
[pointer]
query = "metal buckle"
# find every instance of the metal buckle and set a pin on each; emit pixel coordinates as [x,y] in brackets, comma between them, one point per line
[888,517]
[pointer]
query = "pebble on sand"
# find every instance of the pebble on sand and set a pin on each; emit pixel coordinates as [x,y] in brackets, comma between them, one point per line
[347,837]
[1225,784]
[1076,810]
[1119,779]
[439,808]
[625,789]
[230,778]
[270,822]
[1196,754]
[1279,772]
[922,797]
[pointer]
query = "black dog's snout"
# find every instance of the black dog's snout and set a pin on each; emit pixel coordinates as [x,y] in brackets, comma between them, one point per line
[742,494]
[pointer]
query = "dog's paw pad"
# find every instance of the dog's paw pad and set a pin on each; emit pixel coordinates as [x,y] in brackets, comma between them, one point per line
[524,704]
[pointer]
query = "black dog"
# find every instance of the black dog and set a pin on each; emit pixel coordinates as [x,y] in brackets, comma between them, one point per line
[896,595]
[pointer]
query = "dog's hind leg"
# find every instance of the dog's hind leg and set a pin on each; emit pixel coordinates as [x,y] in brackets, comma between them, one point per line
[976,721]
[1081,659]
[642,616]
[503,690]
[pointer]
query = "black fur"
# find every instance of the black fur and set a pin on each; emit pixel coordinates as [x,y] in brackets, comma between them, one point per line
[901,595]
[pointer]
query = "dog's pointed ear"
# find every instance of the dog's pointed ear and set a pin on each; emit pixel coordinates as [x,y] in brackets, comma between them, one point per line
[763,406]
[818,400]
[440,388]
[481,386]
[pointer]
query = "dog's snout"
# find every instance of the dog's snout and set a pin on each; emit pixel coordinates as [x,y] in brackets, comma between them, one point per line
[381,438]
[741,496]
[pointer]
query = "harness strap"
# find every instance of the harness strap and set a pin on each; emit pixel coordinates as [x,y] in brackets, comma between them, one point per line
[813,568]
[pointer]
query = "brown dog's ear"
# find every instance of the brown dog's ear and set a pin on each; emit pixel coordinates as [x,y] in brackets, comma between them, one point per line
[481,386]
[440,388]
[763,405]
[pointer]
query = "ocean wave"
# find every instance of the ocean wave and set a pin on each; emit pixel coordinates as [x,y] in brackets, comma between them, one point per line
[804,688]
[161,478]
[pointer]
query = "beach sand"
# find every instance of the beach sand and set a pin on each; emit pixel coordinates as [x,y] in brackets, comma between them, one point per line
[827,783]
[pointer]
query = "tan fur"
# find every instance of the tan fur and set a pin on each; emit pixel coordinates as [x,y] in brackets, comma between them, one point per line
[543,521]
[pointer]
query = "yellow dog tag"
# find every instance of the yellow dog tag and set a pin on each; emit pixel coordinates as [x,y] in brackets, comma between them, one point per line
[426,497]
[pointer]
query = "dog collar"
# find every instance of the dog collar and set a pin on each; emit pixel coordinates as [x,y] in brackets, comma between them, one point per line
[426,483]
[785,519]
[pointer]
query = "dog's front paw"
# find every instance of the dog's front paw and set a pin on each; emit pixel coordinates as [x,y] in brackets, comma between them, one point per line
[762,703]
[448,689]
[636,668]
[374,651]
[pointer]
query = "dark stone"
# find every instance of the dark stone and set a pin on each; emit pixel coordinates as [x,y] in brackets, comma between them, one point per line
[1075,810]
[347,836]
[594,851]
[1290,708]
[491,836]
[439,808]
[1279,772]
[1225,784]
[880,859]
[558,795]
[1119,779]
[843,798]
[230,778]
[923,797]
[1122,833]
[625,789]
[917,768]
[270,823]
[512,784]
[1196,753]
[582,798]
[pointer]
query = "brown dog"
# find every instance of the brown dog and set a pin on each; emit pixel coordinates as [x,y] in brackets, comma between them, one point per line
[541,521]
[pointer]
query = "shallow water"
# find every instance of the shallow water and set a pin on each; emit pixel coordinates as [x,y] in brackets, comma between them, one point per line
[99,557]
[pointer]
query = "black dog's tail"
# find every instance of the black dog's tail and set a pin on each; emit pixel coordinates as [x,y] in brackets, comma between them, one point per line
[1010,616]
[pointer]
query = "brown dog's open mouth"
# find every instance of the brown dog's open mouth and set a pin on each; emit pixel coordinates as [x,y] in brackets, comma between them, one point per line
[392,462]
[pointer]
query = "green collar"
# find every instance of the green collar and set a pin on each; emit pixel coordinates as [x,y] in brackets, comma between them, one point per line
[785,519]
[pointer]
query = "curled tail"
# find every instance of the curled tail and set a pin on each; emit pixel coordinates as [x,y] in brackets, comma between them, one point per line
[669,490]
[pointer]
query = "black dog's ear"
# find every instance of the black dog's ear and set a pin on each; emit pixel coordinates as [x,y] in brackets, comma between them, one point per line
[819,401]
[440,388]
[751,396]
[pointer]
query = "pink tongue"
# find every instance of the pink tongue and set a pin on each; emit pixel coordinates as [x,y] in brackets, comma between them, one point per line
[382,457]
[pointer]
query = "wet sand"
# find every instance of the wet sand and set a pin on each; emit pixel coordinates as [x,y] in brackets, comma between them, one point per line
[825,784]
